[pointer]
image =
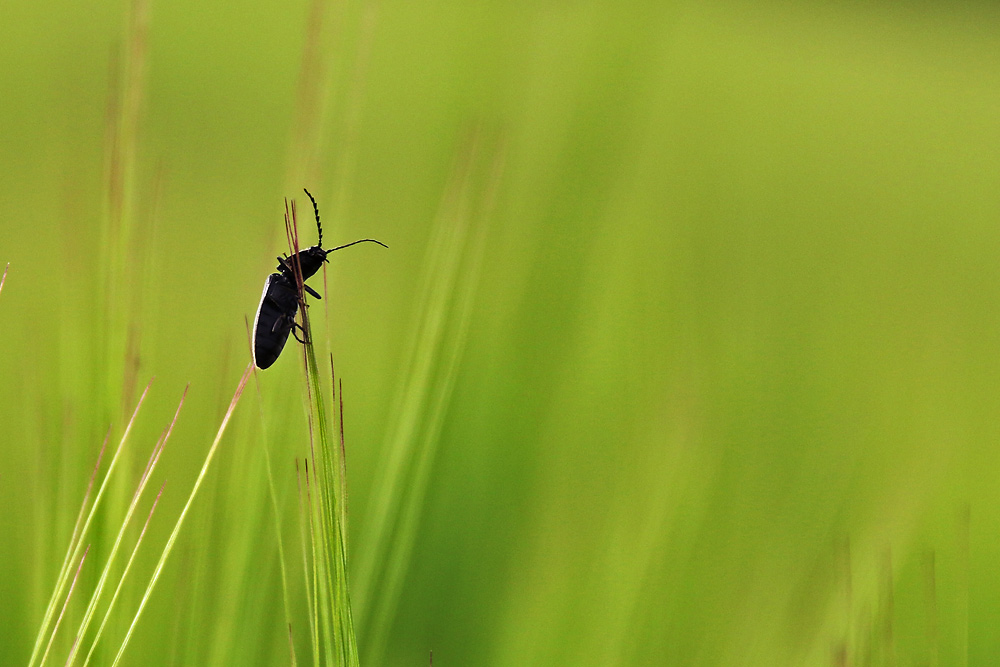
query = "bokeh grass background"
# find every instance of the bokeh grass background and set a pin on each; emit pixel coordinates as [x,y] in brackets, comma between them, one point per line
[686,350]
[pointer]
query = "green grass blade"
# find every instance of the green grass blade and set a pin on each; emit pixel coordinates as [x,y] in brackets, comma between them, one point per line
[339,642]
[121,580]
[305,519]
[187,506]
[62,612]
[74,548]
[147,473]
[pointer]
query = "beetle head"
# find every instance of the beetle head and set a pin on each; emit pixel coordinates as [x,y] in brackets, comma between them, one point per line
[309,261]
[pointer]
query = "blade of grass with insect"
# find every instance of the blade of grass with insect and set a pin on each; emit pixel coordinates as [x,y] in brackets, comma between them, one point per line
[333,637]
[187,506]
[307,515]
[324,504]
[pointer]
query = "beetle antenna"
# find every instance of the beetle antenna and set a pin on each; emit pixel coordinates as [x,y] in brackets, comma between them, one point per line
[358,241]
[318,226]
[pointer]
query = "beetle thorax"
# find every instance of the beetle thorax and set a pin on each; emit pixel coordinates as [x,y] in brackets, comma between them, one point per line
[309,260]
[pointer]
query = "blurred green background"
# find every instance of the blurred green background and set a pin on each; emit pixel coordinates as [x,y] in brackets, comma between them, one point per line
[685,350]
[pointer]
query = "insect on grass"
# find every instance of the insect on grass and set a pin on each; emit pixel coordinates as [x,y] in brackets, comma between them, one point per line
[279,302]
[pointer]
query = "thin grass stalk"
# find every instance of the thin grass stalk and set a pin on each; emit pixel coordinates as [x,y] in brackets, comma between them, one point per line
[86,497]
[71,549]
[332,611]
[304,515]
[342,478]
[315,610]
[120,255]
[339,394]
[121,580]
[321,598]
[187,506]
[86,494]
[144,479]
[74,548]
[62,612]
[3,279]
[328,610]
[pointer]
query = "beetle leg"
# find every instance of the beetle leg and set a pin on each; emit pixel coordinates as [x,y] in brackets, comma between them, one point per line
[312,291]
[282,322]
[295,326]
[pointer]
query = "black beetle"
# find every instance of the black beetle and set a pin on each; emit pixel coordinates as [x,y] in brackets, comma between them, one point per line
[280,301]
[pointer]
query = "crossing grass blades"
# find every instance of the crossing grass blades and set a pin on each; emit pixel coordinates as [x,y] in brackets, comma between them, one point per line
[283,291]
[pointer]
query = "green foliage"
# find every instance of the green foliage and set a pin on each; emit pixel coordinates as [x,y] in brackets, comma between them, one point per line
[684,351]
